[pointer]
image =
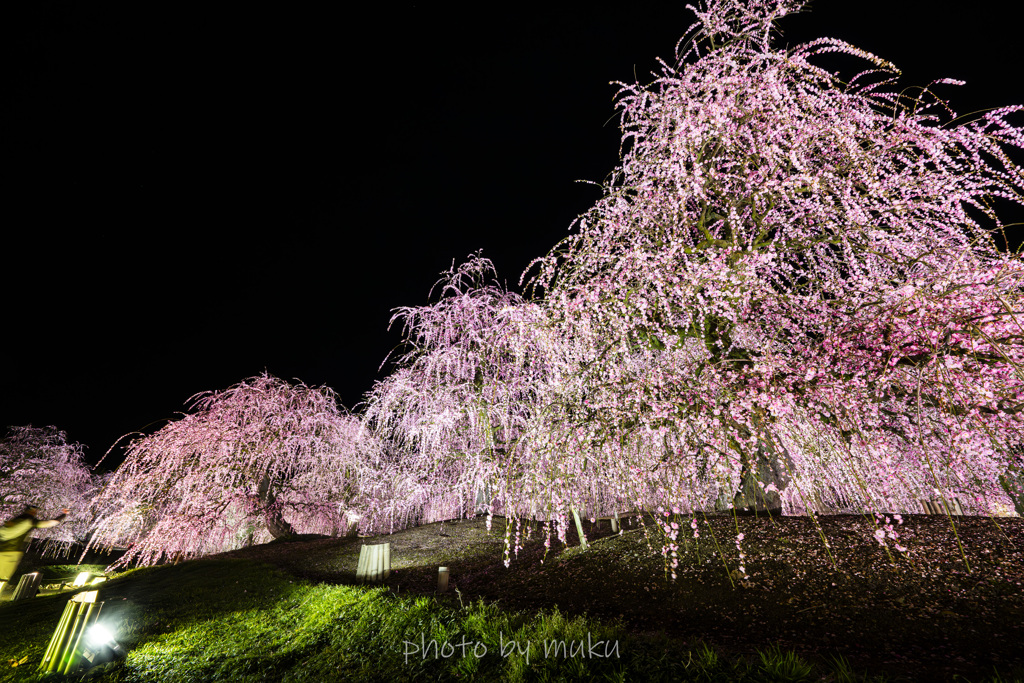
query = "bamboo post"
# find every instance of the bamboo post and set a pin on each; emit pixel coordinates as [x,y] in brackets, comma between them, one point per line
[579,528]
[442,579]
[364,558]
[57,640]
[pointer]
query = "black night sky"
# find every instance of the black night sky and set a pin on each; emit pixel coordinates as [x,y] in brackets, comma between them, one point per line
[192,196]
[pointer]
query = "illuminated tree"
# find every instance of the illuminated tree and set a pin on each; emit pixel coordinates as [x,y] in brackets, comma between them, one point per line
[475,406]
[463,393]
[263,459]
[38,466]
[784,291]
[781,301]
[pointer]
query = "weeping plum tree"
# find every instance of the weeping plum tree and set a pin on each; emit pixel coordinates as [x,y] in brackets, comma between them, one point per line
[784,298]
[39,466]
[263,458]
[465,392]
[474,404]
[784,294]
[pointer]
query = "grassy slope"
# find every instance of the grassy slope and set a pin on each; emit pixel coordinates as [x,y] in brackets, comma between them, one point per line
[281,611]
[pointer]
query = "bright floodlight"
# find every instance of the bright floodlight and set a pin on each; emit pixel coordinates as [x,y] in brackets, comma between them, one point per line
[98,634]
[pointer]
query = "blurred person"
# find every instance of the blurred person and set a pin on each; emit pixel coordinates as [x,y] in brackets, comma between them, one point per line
[15,535]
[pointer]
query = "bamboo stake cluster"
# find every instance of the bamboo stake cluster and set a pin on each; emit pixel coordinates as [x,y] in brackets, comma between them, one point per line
[941,505]
[27,587]
[374,563]
[64,652]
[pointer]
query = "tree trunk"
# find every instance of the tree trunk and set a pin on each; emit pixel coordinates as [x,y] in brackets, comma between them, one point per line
[483,499]
[752,497]
[1013,484]
[275,521]
[351,525]
[771,465]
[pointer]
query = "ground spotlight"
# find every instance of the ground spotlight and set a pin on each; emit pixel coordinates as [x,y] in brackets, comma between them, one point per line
[99,636]
[99,645]
[81,639]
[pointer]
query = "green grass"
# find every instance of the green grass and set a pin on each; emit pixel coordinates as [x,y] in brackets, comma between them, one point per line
[287,611]
[237,620]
